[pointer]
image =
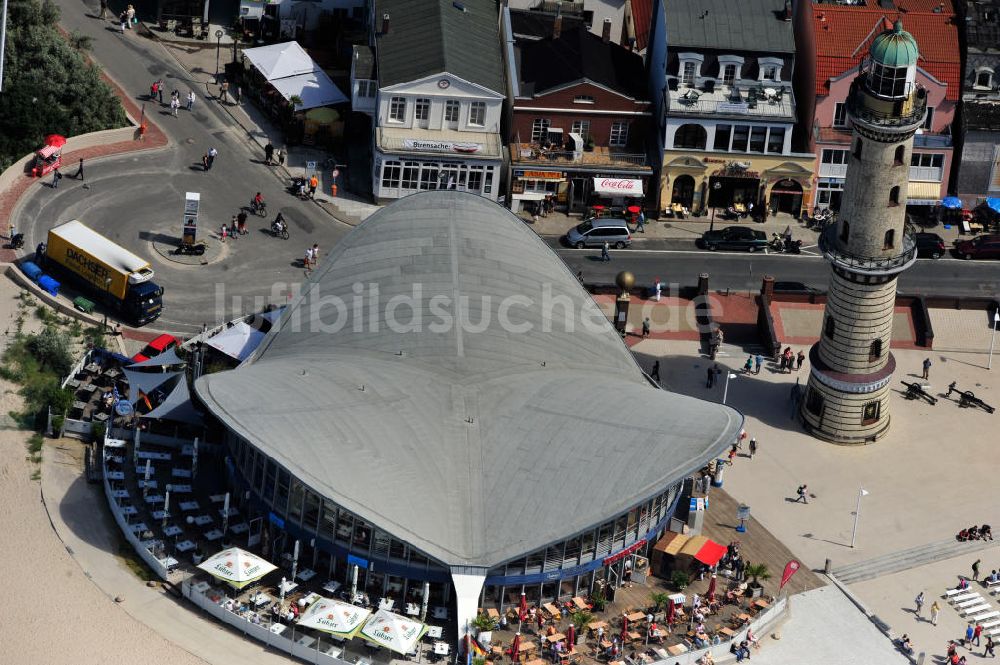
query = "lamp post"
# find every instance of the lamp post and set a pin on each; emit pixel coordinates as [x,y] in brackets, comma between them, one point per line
[857,514]
[993,337]
[218,49]
[725,388]
[716,186]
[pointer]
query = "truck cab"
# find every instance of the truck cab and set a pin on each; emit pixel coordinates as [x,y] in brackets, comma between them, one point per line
[143,303]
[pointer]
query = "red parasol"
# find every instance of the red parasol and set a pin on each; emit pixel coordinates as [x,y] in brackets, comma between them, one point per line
[522,609]
[671,611]
[711,589]
[598,207]
[515,647]
[635,210]
[624,629]
[571,637]
[55,140]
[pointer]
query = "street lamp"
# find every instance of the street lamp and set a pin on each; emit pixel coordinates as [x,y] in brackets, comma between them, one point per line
[725,388]
[218,48]
[993,337]
[716,186]
[857,513]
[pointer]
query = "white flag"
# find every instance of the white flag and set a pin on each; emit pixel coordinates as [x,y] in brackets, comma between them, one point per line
[864,492]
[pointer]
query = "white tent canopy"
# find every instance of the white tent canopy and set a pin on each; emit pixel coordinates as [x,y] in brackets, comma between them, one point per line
[236,567]
[334,617]
[237,342]
[393,631]
[291,71]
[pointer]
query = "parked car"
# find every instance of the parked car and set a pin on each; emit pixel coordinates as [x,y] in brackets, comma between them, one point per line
[929,245]
[734,237]
[595,232]
[980,247]
[156,347]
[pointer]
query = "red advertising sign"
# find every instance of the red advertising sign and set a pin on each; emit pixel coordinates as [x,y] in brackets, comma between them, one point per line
[617,187]
[791,568]
[624,553]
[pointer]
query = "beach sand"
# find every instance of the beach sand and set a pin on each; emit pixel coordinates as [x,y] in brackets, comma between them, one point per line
[52,613]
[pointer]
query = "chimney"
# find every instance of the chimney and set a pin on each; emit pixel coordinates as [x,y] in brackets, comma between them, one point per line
[557,26]
[385,24]
[606,31]
[788,11]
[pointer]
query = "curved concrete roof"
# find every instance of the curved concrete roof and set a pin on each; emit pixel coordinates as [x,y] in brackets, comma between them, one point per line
[474,446]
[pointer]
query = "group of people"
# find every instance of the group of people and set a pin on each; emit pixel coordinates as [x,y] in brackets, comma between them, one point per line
[974,532]
[790,361]
[272,156]
[156,89]
[311,257]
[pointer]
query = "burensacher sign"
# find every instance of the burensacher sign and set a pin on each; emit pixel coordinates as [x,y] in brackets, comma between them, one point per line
[617,187]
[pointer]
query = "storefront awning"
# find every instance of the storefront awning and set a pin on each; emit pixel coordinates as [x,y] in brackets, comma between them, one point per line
[923,193]
[618,187]
[530,196]
[703,549]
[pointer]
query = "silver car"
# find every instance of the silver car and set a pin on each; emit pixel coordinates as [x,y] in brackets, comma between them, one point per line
[596,232]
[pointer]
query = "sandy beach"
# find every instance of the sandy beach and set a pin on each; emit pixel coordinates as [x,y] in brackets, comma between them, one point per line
[53,613]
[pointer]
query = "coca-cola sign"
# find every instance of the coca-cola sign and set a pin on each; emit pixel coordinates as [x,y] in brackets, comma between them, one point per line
[618,187]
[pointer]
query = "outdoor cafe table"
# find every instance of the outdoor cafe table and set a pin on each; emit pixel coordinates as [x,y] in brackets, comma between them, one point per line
[288,586]
[138,527]
[159,514]
[259,599]
[434,631]
[214,534]
[580,603]
[180,489]
[117,459]
[189,505]
[140,469]
[551,609]
[169,562]
[184,546]
[151,484]
[334,651]
[88,387]
[217,498]
[151,454]
[536,661]
[119,494]
[233,512]
[173,530]
[442,648]
[242,527]
[181,473]
[412,609]
[129,510]
[728,632]
[154,498]
[278,628]
[79,406]
[555,637]
[330,587]
[678,598]
[635,617]
[101,417]
[306,574]
[73,383]
[440,612]
[526,645]
[202,520]
[306,641]
[92,368]
[596,625]
[761,603]
[744,617]
[677,649]
[116,475]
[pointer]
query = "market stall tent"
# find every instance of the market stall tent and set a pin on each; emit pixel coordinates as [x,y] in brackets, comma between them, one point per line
[290,70]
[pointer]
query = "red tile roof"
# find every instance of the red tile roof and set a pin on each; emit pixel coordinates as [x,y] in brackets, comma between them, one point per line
[642,16]
[842,33]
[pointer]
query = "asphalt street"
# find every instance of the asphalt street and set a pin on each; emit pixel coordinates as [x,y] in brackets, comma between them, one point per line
[137,199]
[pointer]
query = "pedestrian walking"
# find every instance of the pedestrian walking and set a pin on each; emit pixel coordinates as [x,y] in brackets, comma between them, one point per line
[753,446]
[56,177]
[801,491]
[605,252]
[989,647]
[969,634]
[239,94]
[977,633]
[799,359]
[159,86]
[645,327]
[748,365]
[130,15]
[313,184]
[174,105]
[223,232]
[241,220]
[655,373]
[152,91]
[281,156]
[190,100]
[307,261]
[79,170]
[268,153]
[975,570]
[935,610]
[315,254]
[919,602]
[104,9]
[212,154]
[123,20]
[204,161]
[640,221]
[712,372]
[927,369]
[224,92]
[732,455]
[757,362]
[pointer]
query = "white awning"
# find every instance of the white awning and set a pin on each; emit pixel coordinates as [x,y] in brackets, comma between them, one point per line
[529,196]
[237,342]
[618,187]
[279,61]
[315,88]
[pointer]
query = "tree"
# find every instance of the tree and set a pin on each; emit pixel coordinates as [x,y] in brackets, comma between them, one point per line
[48,88]
[758,571]
[51,349]
[659,599]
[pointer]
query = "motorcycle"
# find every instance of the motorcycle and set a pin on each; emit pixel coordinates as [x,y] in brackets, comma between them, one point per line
[776,243]
[730,214]
[299,187]
[279,230]
[17,242]
[821,217]
[792,246]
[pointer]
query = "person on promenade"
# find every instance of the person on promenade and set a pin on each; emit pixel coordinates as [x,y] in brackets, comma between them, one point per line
[130,15]
[969,633]
[757,362]
[977,633]
[919,602]
[927,369]
[268,153]
[79,170]
[104,10]
[801,492]
[753,447]
[605,253]
[212,154]
[56,177]
[935,610]
[645,327]
[975,570]
[799,360]
[190,100]
[989,647]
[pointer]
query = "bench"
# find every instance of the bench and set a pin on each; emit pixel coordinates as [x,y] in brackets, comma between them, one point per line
[963,597]
[971,600]
[992,623]
[974,609]
[989,614]
[951,593]
[990,583]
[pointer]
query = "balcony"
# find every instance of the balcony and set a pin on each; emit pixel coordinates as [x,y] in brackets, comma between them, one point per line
[868,265]
[753,103]
[895,116]
[533,154]
[932,141]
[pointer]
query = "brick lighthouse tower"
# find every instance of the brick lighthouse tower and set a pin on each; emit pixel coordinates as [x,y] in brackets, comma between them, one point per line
[869,246]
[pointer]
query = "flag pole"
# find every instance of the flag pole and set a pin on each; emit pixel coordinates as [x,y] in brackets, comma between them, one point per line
[857,515]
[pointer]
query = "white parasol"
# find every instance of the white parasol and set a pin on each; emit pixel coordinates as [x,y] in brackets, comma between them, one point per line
[393,631]
[237,567]
[332,616]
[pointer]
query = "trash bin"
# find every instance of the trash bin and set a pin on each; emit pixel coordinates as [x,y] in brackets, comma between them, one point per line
[32,270]
[49,285]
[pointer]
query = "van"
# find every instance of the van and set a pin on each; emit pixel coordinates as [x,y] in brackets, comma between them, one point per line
[595,232]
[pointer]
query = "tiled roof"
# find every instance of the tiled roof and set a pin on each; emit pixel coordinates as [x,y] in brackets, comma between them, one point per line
[843,32]
[642,15]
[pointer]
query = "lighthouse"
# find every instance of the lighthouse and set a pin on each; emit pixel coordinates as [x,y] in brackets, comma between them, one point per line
[847,400]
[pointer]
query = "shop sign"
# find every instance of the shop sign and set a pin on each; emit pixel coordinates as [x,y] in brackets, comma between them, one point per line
[441,146]
[624,553]
[618,187]
[540,175]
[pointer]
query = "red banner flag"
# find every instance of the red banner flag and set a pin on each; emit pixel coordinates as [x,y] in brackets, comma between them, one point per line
[790,569]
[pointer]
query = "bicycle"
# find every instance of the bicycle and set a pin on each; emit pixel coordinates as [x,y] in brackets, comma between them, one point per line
[259,209]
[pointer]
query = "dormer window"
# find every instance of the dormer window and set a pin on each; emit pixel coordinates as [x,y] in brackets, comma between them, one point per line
[770,69]
[583,99]
[984,78]
[730,69]
[729,74]
[690,68]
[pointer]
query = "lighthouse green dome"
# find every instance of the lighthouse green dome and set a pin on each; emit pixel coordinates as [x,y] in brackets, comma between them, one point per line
[895,48]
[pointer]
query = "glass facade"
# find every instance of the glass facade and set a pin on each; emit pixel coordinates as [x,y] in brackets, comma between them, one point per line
[329,534]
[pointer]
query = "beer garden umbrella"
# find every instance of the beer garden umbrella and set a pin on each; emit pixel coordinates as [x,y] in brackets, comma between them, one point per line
[393,631]
[55,140]
[332,616]
[522,609]
[710,594]
[236,567]
[671,611]
[951,202]
[571,637]
[515,646]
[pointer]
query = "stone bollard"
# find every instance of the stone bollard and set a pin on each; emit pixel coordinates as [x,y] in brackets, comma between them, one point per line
[828,567]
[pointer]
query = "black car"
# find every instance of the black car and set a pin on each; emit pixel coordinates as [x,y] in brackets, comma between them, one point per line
[734,237]
[929,245]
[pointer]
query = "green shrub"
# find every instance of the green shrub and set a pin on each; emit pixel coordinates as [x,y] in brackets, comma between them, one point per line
[680,579]
[51,349]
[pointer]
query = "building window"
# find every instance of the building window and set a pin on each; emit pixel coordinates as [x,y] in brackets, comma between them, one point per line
[475,183]
[451,108]
[834,157]
[619,134]
[397,109]
[477,114]
[776,140]
[871,413]
[411,175]
[897,159]
[729,74]
[581,127]
[741,135]
[722,134]
[758,136]
[875,350]
[857,149]
[429,177]
[984,78]
[390,174]
[887,81]
[889,240]
[927,167]
[830,327]
[893,201]
[689,71]
[691,137]
[845,230]
[583,99]
[814,402]
[840,115]
[771,73]
[929,120]
[366,88]
[539,129]
[422,109]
